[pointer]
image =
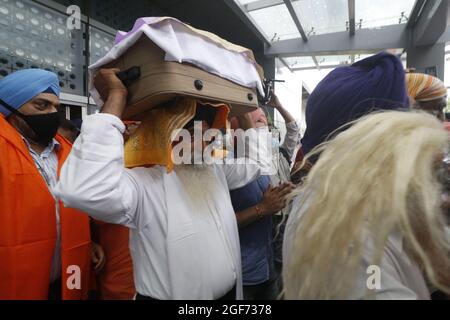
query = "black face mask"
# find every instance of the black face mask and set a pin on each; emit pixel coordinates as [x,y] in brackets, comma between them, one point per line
[44,126]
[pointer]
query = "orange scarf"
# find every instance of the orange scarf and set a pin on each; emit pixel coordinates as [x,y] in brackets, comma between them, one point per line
[28,226]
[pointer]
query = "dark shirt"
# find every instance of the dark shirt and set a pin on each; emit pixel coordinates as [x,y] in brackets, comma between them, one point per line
[255,238]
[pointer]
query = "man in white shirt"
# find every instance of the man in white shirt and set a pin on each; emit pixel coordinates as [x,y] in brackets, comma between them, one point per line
[184,239]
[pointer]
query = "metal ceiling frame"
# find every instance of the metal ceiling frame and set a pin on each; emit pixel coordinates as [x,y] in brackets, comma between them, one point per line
[262,4]
[295,17]
[331,66]
[324,67]
[351,17]
[416,12]
[285,63]
[414,18]
[241,11]
[248,20]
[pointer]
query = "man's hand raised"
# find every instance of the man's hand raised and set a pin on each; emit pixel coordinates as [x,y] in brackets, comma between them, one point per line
[112,90]
[274,199]
[274,102]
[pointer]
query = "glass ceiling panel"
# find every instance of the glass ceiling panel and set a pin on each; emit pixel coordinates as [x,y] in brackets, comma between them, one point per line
[322,16]
[374,14]
[244,2]
[359,57]
[326,16]
[300,62]
[333,60]
[326,61]
[276,23]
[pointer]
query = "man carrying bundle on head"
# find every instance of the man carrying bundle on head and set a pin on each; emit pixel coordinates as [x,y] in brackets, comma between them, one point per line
[184,239]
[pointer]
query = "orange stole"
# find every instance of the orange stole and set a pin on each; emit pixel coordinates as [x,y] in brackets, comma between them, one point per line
[115,281]
[28,225]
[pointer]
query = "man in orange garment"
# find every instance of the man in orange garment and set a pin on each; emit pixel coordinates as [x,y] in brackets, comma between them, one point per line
[45,248]
[115,281]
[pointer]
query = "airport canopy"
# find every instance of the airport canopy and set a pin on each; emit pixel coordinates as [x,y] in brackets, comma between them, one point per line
[308,34]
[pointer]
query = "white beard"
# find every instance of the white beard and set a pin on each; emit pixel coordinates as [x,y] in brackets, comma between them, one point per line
[199,182]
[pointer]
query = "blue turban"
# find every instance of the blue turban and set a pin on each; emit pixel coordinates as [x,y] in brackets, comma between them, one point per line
[347,93]
[20,87]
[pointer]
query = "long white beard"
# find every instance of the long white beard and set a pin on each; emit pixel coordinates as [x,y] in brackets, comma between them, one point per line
[199,182]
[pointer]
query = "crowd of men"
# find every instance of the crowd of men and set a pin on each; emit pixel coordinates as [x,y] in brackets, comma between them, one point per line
[365,186]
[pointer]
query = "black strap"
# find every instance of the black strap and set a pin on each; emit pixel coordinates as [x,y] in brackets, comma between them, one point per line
[230,295]
[8,106]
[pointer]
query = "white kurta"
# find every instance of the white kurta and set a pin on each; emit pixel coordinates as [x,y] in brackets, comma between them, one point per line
[171,253]
[400,276]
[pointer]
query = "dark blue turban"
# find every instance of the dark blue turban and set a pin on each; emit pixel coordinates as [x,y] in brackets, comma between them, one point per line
[347,93]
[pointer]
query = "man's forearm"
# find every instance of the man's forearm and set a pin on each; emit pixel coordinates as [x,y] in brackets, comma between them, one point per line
[250,215]
[288,118]
[115,104]
[291,138]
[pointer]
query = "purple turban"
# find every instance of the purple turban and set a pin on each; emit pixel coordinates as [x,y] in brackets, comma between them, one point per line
[347,93]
